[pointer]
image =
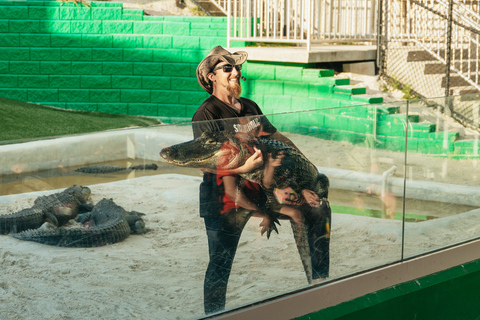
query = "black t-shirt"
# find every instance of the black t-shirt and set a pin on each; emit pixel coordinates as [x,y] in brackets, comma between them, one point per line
[227,118]
[215,115]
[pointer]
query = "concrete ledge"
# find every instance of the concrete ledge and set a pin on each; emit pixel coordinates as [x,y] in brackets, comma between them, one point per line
[86,149]
[365,68]
[415,189]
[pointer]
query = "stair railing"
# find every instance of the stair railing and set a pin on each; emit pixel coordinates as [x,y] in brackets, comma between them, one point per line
[222,5]
[467,12]
[424,22]
[302,22]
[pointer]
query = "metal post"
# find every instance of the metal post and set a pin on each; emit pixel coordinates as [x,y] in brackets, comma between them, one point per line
[449,48]
[380,31]
[229,21]
[309,26]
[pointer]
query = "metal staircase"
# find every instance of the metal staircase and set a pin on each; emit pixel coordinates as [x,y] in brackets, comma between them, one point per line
[429,36]
[433,46]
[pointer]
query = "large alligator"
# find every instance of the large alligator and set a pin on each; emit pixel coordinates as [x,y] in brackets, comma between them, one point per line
[56,208]
[221,150]
[106,168]
[107,223]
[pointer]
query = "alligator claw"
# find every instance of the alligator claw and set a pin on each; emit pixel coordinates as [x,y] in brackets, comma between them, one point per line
[49,217]
[273,227]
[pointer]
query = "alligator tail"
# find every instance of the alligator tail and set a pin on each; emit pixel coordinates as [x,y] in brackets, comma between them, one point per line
[108,233]
[25,219]
[300,233]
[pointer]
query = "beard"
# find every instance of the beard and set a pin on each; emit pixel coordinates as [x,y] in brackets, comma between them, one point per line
[235,89]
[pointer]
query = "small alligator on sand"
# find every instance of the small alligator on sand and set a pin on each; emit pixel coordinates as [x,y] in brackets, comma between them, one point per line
[107,223]
[106,168]
[56,208]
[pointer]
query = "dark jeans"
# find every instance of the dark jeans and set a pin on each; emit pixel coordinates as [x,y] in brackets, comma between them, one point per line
[223,237]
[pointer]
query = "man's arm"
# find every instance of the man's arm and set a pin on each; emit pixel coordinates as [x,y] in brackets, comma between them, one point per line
[269,170]
[253,162]
[232,191]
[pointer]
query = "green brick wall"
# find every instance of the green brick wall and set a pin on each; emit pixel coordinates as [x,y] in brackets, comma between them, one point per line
[104,57]
[109,59]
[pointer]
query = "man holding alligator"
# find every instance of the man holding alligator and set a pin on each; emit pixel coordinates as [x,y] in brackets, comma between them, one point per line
[220,194]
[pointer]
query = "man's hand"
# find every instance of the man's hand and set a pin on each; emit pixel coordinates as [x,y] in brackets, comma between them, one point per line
[265,224]
[275,162]
[252,163]
[311,198]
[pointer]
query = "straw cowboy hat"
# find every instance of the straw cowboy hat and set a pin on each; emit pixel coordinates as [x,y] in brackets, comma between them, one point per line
[216,55]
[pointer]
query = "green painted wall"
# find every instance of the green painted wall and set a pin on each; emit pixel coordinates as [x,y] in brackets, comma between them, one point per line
[103,58]
[109,59]
[450,294]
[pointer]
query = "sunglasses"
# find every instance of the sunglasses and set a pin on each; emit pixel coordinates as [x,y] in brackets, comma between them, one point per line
[227,68]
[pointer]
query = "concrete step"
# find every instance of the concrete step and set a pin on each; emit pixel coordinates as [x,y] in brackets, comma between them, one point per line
[458,54]
[456,82]
[462,54]
[209,8]
[469,91]
[416,56]
[439,68]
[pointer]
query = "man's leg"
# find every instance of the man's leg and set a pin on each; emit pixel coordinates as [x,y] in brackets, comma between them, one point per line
[223,239]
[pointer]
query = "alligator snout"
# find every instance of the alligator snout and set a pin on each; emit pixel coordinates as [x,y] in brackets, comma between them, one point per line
[168,153]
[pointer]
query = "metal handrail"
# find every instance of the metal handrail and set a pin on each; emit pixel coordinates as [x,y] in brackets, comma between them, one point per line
[301,22]
[222,5]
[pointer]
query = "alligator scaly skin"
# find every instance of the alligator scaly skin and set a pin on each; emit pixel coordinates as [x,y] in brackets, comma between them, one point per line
[100,168]
[106,168]
[111,232]
[107,223]
[58,207]
[296,171]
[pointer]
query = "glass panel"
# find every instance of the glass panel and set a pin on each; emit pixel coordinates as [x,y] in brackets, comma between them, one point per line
[442,173]
[161,273]
[156,275]
[259,262]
